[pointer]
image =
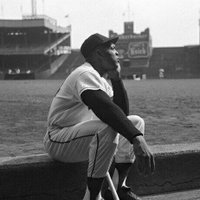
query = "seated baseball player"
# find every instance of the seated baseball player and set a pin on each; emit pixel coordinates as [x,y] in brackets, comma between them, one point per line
[88,117]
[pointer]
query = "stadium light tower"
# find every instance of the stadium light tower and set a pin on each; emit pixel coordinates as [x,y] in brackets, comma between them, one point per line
[2,11]
[43,9]
[128,13]
[34,7]
[199,26]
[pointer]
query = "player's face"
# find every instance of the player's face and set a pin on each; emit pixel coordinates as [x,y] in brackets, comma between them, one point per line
[111,58]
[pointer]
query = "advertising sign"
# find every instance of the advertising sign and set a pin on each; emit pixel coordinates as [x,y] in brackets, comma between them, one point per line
[138,49]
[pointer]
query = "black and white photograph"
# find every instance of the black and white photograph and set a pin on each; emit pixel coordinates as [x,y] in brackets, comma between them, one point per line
[100,99]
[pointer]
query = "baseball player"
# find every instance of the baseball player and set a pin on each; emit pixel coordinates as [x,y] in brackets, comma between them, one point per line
[88,116]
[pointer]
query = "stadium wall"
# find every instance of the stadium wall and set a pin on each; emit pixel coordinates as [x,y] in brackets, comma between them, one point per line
[177,62]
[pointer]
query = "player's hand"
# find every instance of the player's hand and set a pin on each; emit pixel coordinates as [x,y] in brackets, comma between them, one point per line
[144,158]
[115,73]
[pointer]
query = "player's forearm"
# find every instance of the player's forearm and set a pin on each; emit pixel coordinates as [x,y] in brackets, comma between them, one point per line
[110,113]
[120,95]
[115,118]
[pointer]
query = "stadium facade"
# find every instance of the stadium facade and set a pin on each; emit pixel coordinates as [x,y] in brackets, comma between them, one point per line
[139,58]
[135,50]
[35,47]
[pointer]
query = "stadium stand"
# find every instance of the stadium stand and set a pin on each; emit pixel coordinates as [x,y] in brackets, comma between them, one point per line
[74,60]
[34,47]
[177,62]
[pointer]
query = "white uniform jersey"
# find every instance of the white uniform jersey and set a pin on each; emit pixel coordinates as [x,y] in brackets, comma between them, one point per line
[67,108]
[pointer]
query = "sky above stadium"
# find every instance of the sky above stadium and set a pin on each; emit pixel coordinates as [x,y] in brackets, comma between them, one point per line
[171,22]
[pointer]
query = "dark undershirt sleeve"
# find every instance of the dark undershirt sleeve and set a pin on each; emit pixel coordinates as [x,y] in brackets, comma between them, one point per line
[120,96]
[110,113]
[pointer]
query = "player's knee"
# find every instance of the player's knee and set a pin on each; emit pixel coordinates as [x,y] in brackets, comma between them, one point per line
[138,122]
[111,136]
[108,135]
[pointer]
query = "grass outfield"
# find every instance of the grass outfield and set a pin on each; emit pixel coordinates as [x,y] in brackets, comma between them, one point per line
[170,108]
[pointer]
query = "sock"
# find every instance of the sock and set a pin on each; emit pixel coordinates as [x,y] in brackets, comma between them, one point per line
[123,169]
[94,186]
[105,183]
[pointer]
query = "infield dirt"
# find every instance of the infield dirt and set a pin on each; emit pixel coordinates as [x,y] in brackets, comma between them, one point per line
[170,108]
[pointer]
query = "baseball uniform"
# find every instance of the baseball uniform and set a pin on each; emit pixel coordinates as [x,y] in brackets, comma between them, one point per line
[76,134]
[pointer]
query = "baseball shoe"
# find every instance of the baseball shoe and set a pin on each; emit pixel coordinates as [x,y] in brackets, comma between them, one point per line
[108,195]
[124,193]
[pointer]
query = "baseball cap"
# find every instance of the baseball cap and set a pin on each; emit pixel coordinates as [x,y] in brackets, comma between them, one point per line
[94,41]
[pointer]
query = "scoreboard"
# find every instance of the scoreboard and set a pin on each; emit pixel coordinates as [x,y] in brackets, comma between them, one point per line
[134,45]
[134,49]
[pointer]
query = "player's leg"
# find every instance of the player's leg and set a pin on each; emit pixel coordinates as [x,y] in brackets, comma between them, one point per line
[92,140]
[123,161]
[102,149]
[125,154]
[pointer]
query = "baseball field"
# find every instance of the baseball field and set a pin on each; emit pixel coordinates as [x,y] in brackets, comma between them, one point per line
[170,108]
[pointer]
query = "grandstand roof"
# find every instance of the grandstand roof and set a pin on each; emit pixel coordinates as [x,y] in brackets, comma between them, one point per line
[40,21]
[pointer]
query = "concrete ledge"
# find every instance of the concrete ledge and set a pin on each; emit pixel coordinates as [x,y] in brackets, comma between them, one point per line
[177,168]
[37,177]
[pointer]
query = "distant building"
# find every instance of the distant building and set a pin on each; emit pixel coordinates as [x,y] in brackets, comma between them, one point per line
[139,58]
[135,50]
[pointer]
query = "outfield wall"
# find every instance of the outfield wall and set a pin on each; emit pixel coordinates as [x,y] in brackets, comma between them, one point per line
[37,177]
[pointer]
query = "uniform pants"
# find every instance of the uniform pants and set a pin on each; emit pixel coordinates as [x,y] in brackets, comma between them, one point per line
[92,141]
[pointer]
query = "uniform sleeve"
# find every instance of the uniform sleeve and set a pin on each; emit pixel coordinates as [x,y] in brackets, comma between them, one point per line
[89,81]
[110,113]
[120,96]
